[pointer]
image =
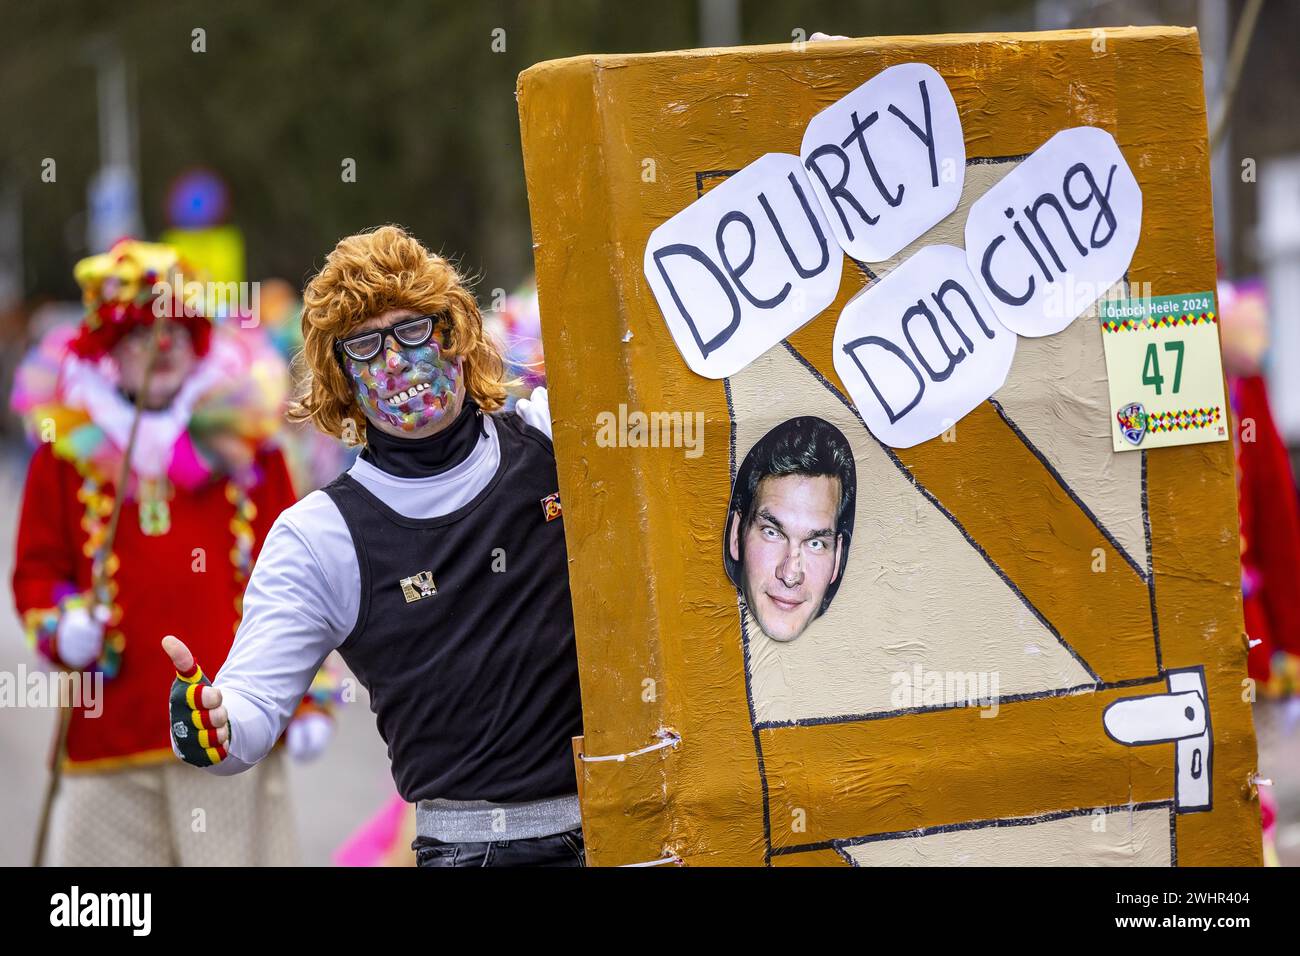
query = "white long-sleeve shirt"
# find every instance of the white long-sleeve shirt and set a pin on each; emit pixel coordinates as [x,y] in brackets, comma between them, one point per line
[304,594]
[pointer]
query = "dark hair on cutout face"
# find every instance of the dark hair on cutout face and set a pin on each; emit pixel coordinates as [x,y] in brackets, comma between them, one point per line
[806,446]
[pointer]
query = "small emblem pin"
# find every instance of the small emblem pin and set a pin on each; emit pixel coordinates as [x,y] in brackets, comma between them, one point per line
[1132,422]
[551,506]
[418,586]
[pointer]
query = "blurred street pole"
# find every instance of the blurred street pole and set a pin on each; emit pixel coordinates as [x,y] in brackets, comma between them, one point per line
[113,195]
[11,242]
[720,23]
[1214,22]
[1058,14]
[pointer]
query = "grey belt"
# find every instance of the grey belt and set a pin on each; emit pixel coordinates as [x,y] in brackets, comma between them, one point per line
[480,821]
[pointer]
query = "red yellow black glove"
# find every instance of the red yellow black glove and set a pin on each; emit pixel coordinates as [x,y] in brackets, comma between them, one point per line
[200,728]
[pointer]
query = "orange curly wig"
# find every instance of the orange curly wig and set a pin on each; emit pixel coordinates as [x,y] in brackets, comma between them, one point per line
[369,274]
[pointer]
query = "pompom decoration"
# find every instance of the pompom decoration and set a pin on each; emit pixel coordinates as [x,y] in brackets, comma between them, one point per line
[517,329]
[241,383]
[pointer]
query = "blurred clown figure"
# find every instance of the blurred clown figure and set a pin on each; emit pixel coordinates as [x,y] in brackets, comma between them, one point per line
[1269,512]
[205,484]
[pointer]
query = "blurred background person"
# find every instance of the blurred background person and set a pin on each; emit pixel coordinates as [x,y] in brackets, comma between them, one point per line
[102,569]
[1270,535]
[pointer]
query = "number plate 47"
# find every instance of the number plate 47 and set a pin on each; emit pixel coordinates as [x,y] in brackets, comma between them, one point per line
[1151,366]
[1165,372]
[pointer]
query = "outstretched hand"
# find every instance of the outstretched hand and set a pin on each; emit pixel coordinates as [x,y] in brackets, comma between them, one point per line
[200,726]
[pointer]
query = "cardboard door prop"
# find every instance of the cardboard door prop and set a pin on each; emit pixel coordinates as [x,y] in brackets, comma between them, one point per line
[872,559]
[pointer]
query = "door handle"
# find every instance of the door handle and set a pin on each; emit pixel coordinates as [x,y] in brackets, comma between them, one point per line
[1182,717]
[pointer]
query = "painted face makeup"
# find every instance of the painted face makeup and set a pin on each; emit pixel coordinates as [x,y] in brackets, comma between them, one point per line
[406,390]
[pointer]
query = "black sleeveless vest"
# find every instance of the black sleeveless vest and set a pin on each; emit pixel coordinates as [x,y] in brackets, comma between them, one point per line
[464,636]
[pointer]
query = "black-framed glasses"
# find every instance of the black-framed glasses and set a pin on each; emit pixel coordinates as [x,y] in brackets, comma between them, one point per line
[412,333]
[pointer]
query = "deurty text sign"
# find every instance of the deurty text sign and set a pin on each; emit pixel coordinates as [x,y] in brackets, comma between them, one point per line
[757,257]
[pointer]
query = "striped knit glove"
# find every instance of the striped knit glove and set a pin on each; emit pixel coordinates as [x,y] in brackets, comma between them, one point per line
[199,725]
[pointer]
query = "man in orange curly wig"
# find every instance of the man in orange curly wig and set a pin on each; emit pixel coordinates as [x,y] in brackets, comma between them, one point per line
[435,565]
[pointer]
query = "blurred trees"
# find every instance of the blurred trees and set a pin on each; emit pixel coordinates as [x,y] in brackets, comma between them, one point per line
[412,91]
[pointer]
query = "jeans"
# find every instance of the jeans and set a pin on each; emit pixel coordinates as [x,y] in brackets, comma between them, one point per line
[559,849]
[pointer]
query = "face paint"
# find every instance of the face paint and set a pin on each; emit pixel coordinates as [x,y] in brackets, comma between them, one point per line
[406,390]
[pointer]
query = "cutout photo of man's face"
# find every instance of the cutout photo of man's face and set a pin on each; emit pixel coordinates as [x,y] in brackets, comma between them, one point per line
[788,550]
[788,527]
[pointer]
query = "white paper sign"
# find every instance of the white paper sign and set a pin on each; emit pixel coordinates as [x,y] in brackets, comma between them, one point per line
[1049,239]
[887,161]
[921,348]
[743,266]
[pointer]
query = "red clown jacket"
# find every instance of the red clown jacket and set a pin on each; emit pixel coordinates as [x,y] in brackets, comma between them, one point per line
[183,582]
[1270,538]
[205,486]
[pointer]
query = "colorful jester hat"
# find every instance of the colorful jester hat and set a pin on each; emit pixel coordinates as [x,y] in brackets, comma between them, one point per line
[129,286]
[229,406]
